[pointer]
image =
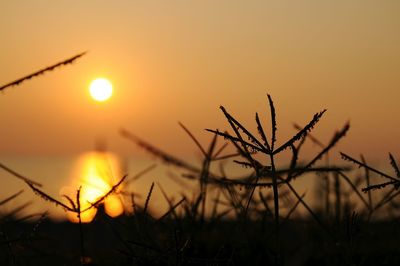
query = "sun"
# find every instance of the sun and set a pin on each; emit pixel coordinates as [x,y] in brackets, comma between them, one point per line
[101,89]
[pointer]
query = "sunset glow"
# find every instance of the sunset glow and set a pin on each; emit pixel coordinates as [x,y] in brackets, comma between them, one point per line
[95,174]
[200,132]
[101,89]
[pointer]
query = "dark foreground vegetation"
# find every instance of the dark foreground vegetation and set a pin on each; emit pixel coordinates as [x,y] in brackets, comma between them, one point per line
[140,240]
[258,219]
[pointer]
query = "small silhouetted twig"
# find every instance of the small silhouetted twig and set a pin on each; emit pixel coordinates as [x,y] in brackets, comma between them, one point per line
[394,165]
[42,71]
[368,183]
[19,176]
[301,133]
[171,209]
[236,140]
[345,177]
[361,164]
[393,180]
[335,139]
[291,211]
[157,152]
[146,204]
[273,122]
[4,201]
[140,174]
[78,211]
[193,138]
[112,190]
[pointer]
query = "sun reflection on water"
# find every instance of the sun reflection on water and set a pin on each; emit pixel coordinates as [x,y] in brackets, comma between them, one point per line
[96,172]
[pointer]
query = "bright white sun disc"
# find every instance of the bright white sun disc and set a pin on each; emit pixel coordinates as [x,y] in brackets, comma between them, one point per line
[100,89]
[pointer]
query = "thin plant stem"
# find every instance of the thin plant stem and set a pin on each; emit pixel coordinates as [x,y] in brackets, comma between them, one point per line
[276,201]
[78,202]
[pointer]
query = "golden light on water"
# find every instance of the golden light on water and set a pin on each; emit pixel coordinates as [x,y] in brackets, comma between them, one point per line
[96,172]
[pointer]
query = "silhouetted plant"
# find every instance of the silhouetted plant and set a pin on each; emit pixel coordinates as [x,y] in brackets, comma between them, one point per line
[42,71]
[393,182]
[247,149]
[238,228]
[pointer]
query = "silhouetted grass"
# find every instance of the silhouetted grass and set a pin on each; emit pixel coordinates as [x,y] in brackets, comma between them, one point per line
[42,71]
[259,218]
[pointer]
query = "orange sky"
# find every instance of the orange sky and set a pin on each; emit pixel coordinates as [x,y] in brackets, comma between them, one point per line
[175,61]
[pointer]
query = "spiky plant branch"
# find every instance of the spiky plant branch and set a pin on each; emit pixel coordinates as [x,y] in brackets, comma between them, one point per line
[42,71]
[394,181]
[19,176]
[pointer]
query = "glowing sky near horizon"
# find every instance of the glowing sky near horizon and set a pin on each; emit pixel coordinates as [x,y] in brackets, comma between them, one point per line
[180,60]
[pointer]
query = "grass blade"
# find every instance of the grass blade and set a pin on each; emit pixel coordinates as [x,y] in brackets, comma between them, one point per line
[193,138]
[171,209]
[360,164]
[42,71]
[394,165]
[157,152]
[4,201]
[273,121]
[301,133]
[49,198]
[146,204]
[27,180]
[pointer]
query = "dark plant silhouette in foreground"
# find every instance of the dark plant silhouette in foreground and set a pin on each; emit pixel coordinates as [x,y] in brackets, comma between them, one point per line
[394,183]
[249,149]
[74,206]
[221,218]
[25,239]
[248,146]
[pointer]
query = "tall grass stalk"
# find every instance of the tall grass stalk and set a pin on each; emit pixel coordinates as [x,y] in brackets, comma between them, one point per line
[42,71]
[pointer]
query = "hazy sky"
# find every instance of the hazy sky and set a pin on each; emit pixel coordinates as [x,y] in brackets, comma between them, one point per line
[175,61]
